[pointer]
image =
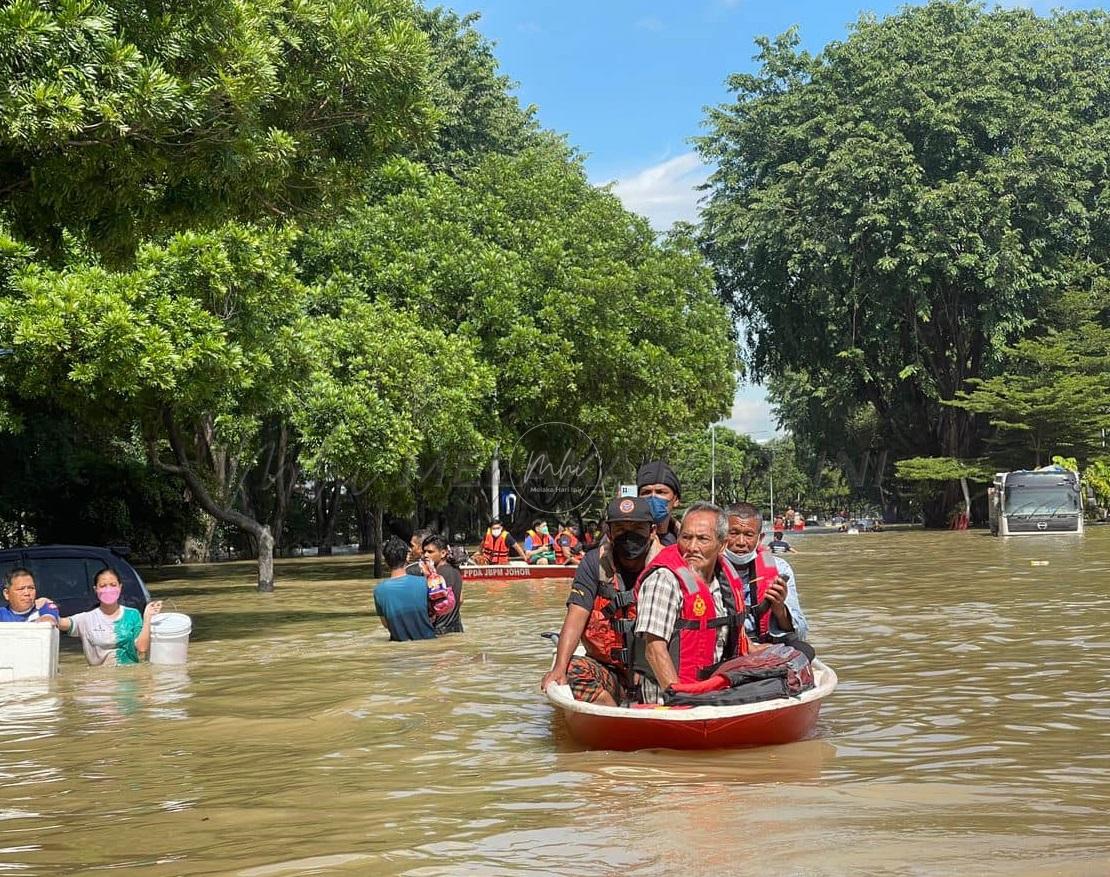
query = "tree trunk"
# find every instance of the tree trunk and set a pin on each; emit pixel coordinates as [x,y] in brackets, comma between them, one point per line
[365,515]
[378,542]
[265,561]
[204,499]
[327,507]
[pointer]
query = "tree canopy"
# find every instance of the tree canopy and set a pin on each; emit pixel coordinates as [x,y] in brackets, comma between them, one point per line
[886,216]
[122,120]
[319,250]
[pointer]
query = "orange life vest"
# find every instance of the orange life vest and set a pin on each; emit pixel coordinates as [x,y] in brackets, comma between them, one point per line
[608,636]
[539,541]
[496,549]
[563,552]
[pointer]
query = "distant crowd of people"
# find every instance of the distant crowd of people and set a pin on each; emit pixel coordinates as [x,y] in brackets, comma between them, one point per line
[539,546]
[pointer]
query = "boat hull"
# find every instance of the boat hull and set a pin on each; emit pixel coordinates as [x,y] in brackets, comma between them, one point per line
[765,724]
[508,572]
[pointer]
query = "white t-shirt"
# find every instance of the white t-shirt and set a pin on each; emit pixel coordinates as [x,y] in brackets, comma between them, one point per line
[108,639]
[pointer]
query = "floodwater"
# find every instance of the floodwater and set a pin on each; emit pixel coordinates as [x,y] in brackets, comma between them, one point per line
[970,734]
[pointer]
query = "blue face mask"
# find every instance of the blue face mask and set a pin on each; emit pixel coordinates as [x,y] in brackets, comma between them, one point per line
[659,508]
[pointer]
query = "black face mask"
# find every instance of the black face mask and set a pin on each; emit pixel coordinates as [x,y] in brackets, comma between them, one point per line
[630,546]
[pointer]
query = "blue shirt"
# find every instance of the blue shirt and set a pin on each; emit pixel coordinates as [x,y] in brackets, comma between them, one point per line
[6,614]
[403,603]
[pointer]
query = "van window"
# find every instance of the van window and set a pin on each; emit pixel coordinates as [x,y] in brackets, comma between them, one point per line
[64,578]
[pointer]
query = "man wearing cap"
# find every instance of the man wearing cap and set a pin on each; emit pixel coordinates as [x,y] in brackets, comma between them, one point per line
[657,483]
[600,608]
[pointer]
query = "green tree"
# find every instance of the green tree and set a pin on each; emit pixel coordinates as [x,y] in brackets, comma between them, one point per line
[66,482]
[386,400]
[930,471]
[1054,393]
[197,344]
[734,461]
[576,308]
[893,210]
[123,120]
[477,112]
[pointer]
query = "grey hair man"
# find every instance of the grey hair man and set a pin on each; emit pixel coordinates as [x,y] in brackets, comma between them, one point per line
[770,588]
[673,611]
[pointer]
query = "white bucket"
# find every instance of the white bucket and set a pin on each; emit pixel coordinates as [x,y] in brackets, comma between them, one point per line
[169,638]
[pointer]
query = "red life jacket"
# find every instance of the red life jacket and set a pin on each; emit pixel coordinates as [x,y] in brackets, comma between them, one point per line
[608,635]
[563,551]
[693,644]
[496,550]
[765,572]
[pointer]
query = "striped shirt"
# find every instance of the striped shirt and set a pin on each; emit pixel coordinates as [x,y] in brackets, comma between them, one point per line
[657,610]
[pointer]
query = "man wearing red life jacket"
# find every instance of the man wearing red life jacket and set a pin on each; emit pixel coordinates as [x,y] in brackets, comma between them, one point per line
[689,606]
[600,610]
[770,589]
[497,545]
[565,544]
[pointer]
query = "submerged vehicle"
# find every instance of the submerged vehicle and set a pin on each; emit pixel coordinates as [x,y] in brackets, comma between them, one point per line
[767,723]
[65,574]
[1032,501]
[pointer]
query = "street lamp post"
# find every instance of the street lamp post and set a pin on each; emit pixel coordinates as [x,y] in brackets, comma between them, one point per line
[771,475]
[713,463]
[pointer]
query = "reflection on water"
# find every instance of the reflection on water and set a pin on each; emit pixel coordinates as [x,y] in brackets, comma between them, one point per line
[969,735]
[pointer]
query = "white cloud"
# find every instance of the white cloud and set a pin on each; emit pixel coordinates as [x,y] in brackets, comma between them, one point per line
[650,23]
[665,192]
[751,414]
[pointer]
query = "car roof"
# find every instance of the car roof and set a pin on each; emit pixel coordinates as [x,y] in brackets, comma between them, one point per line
[62,551]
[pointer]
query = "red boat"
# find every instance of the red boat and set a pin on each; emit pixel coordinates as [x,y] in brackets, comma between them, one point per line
[705,727]
[518,571]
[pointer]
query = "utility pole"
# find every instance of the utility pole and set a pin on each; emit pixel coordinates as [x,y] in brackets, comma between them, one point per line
[713,463]
[495,486]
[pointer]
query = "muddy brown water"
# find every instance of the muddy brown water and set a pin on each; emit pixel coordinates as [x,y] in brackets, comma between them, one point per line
[970,735]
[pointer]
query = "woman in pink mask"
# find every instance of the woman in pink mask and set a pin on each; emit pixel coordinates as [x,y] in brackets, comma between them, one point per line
[112,634]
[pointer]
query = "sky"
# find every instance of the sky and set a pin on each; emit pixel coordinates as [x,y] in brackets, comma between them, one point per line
[628,82]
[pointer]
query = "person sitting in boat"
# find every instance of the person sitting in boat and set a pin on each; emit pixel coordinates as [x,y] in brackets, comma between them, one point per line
[657,483]
[566,543]
[436,555]
[770,588]
[539,546]
[497,545]
[600,610]
[24,604]
[689,606]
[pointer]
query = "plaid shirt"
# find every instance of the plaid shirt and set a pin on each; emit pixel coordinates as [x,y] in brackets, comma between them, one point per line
[657,610]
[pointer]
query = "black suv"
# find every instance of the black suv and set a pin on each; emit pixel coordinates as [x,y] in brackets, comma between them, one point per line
[64,573]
